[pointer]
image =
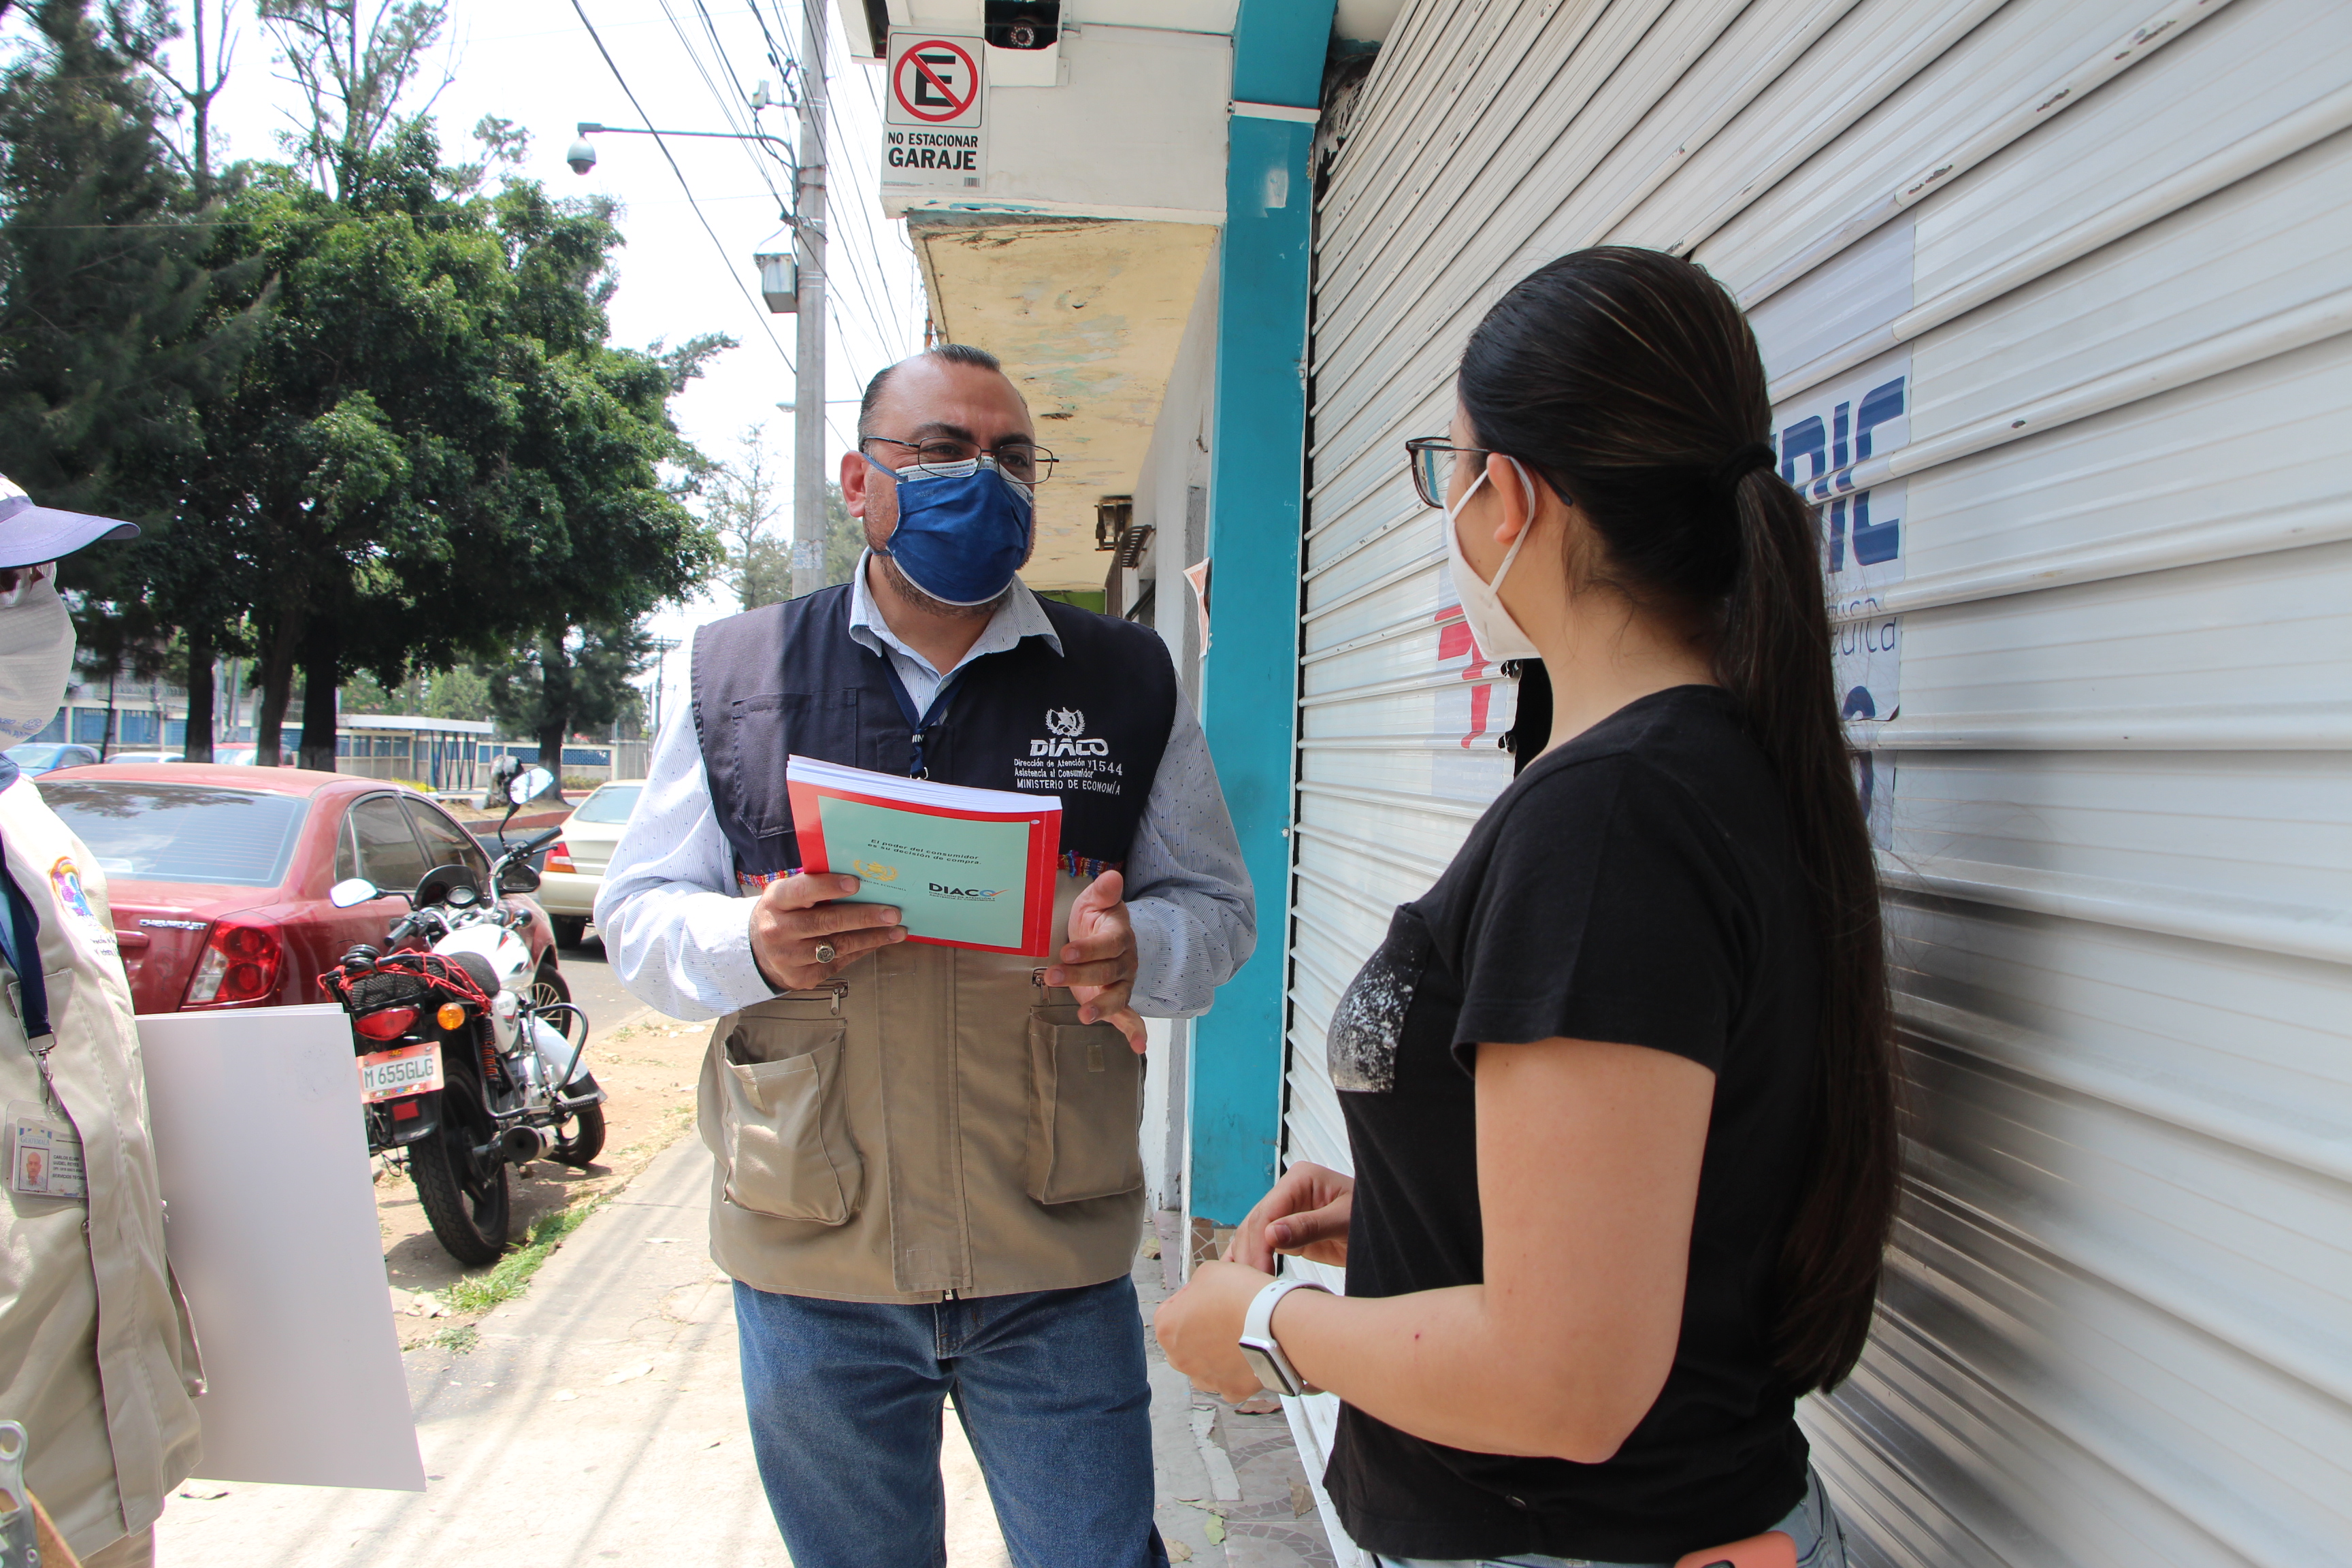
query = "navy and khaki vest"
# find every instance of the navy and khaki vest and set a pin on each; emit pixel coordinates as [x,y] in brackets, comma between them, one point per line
[937,1121]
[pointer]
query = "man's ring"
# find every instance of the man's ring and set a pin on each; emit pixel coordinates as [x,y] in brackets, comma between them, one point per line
[825,953]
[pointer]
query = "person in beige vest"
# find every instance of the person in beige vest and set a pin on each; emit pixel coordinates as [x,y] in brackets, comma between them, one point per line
[98,1356]
[927,1181]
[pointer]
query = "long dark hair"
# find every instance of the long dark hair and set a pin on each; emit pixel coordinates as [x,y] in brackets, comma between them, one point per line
[1629,380]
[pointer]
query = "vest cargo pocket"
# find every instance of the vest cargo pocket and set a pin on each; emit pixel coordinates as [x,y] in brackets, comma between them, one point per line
[1086,1109]
[786,1123]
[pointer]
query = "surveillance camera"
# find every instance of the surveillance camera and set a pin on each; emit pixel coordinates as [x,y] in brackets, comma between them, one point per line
[581,155]
[1023,23]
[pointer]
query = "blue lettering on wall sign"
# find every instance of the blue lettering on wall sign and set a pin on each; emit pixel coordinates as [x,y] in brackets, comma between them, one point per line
[1879,405]
[1829,451]
[1802,439]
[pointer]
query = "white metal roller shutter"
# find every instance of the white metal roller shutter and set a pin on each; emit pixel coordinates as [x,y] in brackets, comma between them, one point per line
[2075,273]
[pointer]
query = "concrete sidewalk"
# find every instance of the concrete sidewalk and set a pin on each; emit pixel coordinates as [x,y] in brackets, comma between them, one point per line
[600,1419]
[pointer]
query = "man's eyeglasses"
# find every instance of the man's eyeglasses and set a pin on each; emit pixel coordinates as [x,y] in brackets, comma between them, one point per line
[1432,459]
[1023,460]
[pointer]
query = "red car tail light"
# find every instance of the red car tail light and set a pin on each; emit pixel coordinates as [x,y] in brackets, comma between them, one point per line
[388,1025]
[239,963]
[558,859]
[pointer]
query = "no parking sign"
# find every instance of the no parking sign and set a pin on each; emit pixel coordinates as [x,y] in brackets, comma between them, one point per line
[931,125]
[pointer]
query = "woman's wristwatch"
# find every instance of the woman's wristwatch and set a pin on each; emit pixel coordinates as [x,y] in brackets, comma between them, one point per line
[1262,1351]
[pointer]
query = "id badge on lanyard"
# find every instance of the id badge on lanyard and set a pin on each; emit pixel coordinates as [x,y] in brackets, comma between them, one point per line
[44,1152]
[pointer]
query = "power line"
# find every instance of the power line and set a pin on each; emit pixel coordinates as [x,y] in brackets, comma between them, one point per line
[875,300]
[760,153]
[627,91]
[869,288]
[872,299]
[727,112]
[879,286]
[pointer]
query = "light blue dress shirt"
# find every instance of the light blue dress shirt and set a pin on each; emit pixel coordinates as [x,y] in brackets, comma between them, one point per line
[680,938]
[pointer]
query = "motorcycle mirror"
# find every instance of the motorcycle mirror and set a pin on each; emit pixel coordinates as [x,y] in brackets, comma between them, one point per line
[529,785]
[353,890]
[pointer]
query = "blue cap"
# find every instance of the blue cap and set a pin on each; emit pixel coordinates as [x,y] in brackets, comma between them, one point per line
[31,534]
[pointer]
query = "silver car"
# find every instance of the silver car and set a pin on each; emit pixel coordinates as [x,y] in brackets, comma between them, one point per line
[575,865]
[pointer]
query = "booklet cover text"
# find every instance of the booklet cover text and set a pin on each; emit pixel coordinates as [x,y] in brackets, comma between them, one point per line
[965,868]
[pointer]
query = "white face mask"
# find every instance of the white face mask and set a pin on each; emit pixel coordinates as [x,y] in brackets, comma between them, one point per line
[1498,636]
[37,649]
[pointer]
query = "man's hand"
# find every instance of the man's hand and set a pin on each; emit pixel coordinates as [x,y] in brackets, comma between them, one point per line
[791,922]
[1305,1215]
[1099,964]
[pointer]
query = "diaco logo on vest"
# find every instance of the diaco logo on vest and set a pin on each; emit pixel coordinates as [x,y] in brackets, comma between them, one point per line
[1067,724]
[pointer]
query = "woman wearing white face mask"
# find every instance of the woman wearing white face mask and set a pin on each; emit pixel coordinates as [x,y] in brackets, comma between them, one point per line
[1619,1087]
[98,1358]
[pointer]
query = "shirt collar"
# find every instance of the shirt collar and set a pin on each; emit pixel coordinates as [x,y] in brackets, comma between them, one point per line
[1018,616]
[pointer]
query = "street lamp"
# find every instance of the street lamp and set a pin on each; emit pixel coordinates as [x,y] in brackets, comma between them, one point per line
[779,273]
[582,153]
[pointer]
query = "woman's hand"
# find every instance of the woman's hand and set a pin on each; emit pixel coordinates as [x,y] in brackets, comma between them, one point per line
[1305,1215]
[1199,1327]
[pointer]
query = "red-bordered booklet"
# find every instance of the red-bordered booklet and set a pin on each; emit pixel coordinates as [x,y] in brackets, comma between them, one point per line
[965,868]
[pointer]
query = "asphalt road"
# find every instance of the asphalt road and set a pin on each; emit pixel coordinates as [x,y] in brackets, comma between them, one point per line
[594,987]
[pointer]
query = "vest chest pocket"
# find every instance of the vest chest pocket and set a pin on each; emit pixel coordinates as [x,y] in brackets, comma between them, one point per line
[1086,1109]
[768,727]
[785,1119]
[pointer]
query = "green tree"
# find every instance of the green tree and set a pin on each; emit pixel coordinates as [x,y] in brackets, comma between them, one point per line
[204,602]
[433,451]
[107,329]
[112,326]
[353,63]
[740,502]
[456,694]
[583,682]
[142,32]
[743,501]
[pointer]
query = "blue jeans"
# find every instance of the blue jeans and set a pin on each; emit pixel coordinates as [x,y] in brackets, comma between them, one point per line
[1812,1524]
[846,1397]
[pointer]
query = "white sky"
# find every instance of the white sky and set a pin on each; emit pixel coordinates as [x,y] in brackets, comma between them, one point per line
[532,62]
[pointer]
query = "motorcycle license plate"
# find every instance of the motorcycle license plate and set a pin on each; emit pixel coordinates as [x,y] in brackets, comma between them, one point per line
[390,1075]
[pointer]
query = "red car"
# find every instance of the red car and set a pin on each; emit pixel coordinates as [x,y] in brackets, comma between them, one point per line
[218,874]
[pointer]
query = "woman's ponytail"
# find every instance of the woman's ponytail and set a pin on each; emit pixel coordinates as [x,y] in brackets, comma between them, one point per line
[1774,657]
[1629,379]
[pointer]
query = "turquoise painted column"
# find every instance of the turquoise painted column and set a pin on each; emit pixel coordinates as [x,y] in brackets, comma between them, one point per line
[1256,498]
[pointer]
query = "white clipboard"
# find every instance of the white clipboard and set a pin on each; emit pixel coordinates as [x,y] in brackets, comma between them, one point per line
[273,1234]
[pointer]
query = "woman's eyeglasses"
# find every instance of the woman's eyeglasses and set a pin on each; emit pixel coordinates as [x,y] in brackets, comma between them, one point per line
[1031,465]
[1431,459]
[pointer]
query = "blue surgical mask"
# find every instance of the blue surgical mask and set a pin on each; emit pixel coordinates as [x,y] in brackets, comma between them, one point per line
[963,529]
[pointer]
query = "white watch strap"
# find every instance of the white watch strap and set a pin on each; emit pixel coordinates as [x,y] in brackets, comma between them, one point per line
[1257,1333]
[1257,1324]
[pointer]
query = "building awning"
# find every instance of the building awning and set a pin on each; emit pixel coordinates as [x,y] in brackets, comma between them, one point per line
[1087,315]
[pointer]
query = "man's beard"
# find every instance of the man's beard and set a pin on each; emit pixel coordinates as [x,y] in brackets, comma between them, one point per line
[931,606]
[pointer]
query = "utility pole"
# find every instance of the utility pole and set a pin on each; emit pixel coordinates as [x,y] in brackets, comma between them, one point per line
[808,398]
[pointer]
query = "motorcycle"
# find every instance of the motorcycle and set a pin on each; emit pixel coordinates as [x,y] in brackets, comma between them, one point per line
[466,1068]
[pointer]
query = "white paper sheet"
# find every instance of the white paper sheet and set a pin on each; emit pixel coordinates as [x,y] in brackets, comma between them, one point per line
[273,1235]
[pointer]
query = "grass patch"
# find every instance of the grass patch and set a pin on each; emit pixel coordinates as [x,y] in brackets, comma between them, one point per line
[511,1274]
[674,1121]
[458,1339]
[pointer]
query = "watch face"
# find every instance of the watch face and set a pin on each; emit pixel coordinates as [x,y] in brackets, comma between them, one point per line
[1270,1371]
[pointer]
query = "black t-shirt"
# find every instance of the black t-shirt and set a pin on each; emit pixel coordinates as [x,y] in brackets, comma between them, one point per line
[1637,885]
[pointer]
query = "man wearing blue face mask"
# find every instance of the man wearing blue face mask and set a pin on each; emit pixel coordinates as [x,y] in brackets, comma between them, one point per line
[947,1199]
